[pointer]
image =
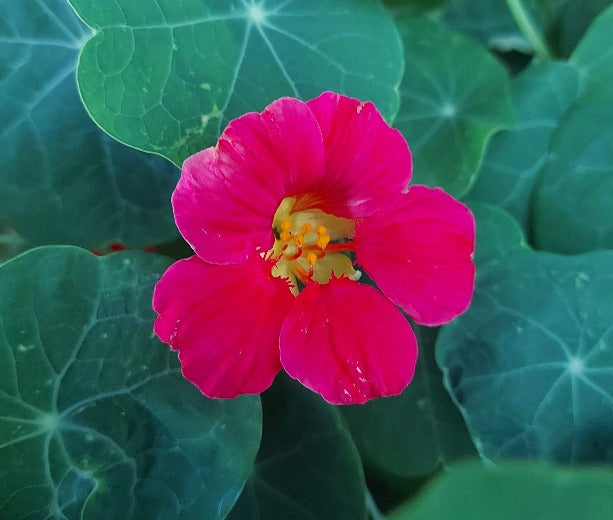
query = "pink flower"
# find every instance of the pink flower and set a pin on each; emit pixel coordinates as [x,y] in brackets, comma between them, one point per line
[280,214]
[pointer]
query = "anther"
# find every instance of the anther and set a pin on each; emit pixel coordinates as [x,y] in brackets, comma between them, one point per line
[311,259]
[321,230]
[286,225]
[323,240]
[285,236]
[306,229]
[299,239]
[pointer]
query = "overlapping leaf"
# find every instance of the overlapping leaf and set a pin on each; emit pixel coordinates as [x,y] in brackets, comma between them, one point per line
[574,20]
[63,180]
[542,93]
[560,149]
[415,433]
[530,364]
[167,76]
[403,7]
[454,97]
[572,209]
[498,234]
[307,467]
[97,421]
[593,57]
[515,490]
[488,21]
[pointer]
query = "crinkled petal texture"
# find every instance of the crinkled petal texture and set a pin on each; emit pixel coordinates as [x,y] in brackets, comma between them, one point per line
[227,196]
[418,250]
[333,153]
[366,161]
[225,322]
[347,342]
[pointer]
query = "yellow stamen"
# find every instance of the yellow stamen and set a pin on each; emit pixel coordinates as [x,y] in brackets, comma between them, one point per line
[323,240]
[309,243]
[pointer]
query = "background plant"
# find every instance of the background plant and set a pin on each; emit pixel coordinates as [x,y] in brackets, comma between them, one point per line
[506,105]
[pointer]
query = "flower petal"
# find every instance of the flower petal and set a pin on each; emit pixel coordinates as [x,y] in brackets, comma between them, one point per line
[224,320]
[418,250]
[227,196]
[347,342]
[367,162]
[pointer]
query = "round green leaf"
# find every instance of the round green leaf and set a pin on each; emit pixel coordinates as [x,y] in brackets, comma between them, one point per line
[530,364]
[541,95]
[63,180]
[488,21]
[572,205]
[168,76]
[308,467]
[515,490]
[572,211]
[416,432]
[454,96]
[96,420]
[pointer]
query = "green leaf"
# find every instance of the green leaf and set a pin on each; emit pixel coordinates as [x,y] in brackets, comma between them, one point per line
[413,7]
[63,180]
[416,432]
[572,206]
[488,21]
[530,364]
[593,57]
[96,420]
[498,234]
[541,94]
[572,211]
[549,27]
[575,18]
[454,98]
[168,76]
[308,467]
[515,490]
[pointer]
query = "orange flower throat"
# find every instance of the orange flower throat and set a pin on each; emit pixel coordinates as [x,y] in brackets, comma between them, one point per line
[309,245]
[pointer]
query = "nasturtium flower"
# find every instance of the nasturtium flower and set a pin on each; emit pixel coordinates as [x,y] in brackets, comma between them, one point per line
[283,215]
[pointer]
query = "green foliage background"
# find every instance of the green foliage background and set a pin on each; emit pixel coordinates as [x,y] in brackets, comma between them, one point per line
[505,104]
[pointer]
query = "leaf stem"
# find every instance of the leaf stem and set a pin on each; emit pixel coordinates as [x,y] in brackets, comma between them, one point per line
[371,506]
[528,27]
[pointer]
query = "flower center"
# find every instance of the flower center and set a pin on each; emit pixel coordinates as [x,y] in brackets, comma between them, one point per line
[310,245]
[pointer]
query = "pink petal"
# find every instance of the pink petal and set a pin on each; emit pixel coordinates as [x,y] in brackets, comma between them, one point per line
[367,162]
[227,196]
[347,342]
[224,320]
[418,249]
